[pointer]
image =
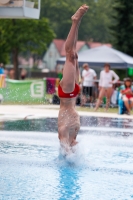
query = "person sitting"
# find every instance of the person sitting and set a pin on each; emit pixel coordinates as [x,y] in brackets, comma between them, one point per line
[127,95]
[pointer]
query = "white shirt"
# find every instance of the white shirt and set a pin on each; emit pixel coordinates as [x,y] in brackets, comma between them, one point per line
[107,77]
[88,77]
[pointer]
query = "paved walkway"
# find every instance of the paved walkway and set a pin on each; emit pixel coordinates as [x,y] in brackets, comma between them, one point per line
[12,112]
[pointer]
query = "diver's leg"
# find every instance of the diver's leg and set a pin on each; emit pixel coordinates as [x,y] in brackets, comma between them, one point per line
[69,71]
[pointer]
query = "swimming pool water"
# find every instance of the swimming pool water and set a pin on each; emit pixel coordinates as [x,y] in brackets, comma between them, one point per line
[87,124]
[31,167]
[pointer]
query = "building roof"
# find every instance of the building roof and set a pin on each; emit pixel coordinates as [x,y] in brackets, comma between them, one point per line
[98,56]
[79,45]
[60,45]
[98,44]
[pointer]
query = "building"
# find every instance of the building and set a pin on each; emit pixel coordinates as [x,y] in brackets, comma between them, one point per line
[57,49]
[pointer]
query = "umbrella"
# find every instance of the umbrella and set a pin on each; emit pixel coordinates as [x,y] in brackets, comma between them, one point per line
[98,56]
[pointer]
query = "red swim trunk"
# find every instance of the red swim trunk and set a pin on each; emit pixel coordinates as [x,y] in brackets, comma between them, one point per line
[76,91]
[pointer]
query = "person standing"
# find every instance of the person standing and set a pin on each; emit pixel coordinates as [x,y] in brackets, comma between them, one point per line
[23,74]
[107,78]
[88,77]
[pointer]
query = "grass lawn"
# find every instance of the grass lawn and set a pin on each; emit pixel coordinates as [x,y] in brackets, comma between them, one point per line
[78,108]
[44,102]
[88,109]
[110,110]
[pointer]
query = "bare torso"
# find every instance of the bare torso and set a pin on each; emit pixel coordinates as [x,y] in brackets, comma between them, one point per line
[68,120]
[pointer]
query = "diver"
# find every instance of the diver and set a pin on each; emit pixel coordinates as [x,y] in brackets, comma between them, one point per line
[68,89]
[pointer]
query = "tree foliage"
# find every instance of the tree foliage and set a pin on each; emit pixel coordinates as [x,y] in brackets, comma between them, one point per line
[22,34]
[4,50]
[94,25]
[122,27]
[18,35]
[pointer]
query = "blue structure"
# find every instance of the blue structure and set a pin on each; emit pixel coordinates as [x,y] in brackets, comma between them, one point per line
[121,106]
[1,70]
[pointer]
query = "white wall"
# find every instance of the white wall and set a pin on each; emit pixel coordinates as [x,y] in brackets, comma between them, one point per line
[51,56]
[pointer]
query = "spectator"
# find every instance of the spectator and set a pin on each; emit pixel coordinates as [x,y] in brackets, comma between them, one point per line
[23,74]
[105,85]
[88,77]
[12,74]
[127,94]
[1,68]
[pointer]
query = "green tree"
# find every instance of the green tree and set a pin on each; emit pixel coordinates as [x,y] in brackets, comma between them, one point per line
[122,27]
[4,55]
[59,13]
[22,34]
[94,25]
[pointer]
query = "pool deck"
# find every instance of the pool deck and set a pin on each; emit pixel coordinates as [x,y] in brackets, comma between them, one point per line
[14,112]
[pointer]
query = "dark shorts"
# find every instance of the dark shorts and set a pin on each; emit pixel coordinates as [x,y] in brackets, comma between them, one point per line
[87,91]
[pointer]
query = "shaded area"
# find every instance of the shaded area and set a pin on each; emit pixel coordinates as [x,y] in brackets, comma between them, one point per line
[41,125]
[50,124]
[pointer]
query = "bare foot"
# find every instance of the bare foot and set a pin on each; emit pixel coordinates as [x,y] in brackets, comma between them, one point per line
[80,12]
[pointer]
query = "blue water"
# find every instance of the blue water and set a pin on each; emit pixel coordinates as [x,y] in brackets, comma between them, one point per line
[31,167]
